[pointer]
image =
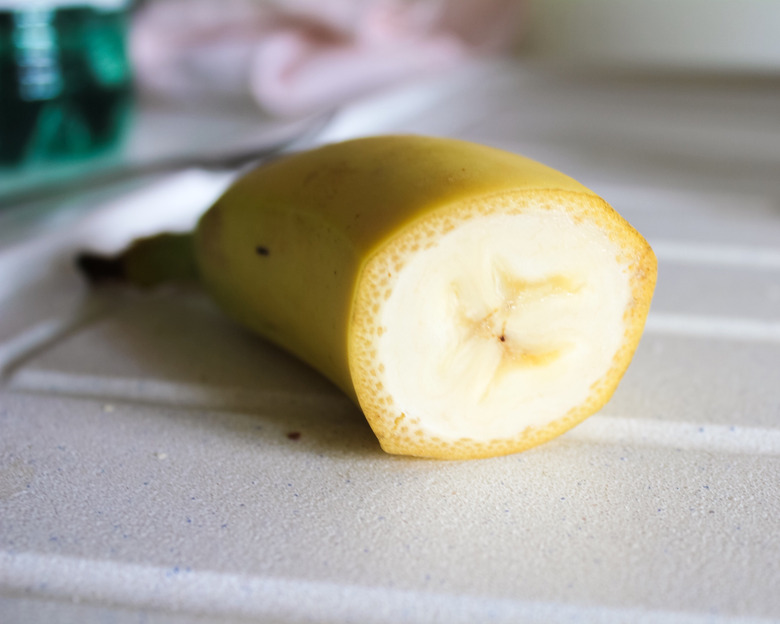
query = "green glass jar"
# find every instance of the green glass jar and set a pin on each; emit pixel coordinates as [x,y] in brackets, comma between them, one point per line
[65,80]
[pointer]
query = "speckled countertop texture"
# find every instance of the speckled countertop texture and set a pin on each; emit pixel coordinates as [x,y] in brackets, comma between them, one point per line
[159,464]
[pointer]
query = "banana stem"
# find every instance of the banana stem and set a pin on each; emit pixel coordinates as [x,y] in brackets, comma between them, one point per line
[147,263]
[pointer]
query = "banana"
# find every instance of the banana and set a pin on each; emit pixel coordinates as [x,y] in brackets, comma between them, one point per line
[471,301]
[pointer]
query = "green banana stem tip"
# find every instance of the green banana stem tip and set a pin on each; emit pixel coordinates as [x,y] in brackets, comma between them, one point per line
[146,263]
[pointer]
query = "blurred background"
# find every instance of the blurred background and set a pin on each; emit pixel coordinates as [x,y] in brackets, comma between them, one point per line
[105,85]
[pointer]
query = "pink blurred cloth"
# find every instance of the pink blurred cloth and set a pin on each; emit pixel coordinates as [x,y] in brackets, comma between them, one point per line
[296,57]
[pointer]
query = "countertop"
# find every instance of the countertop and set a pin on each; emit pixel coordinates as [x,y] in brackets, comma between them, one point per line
[159,464]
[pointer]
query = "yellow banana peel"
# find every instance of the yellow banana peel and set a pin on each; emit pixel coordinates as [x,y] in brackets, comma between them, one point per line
[471,301]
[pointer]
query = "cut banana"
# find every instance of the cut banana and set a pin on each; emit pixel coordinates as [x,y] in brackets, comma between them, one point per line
[471,301]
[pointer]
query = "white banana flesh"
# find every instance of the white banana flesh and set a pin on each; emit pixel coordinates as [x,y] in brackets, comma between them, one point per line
[499,327]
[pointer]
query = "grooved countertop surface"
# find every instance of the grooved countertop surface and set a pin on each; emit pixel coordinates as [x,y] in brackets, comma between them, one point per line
[158,464]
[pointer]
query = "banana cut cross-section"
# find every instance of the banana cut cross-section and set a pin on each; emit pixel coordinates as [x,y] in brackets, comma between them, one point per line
[499,330]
